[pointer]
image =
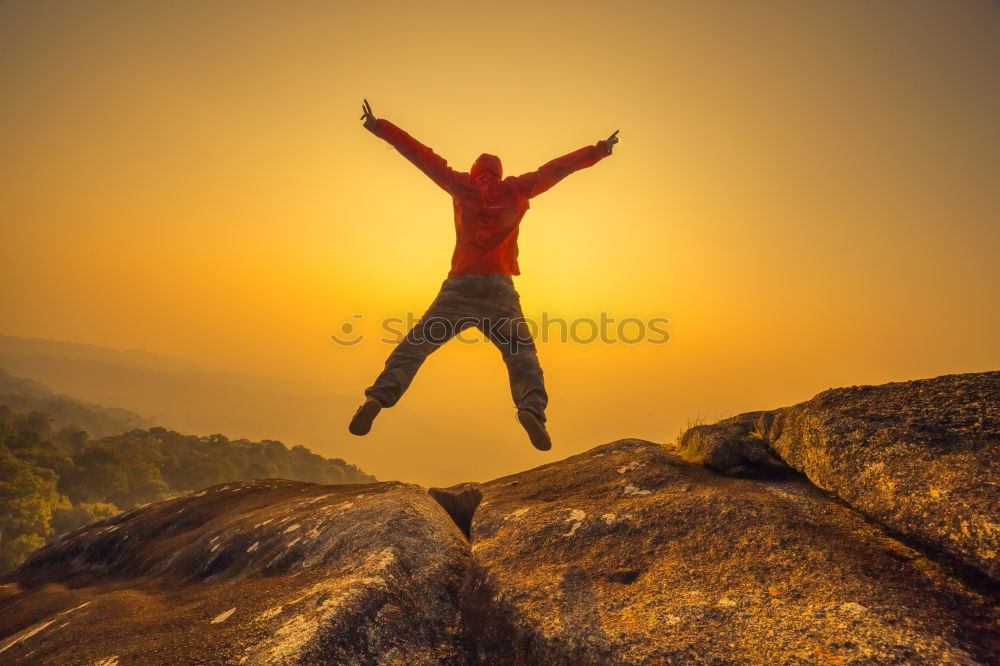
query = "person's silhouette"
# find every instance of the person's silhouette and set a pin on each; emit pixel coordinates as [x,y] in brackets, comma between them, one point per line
[479,290]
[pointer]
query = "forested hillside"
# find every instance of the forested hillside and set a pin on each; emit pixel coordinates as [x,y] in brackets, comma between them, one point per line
[55,479]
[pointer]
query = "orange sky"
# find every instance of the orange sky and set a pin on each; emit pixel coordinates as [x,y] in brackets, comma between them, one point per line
[806,190]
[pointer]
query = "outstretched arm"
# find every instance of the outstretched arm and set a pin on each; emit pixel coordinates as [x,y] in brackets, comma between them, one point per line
[534,183]
[425,159]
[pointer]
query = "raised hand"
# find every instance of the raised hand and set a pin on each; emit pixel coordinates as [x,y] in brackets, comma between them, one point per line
[368,116]
[612,140]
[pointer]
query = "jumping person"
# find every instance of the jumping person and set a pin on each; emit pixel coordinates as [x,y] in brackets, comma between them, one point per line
[479,290]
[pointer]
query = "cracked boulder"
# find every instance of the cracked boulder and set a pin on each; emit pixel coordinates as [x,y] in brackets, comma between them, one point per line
[922,458]
[255,572]
[628,554]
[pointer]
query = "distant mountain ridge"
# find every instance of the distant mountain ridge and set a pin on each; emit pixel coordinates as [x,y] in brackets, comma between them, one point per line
[177,393]
[21,394]
[15,345]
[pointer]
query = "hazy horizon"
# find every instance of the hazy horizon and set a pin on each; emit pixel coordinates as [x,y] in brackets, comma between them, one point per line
[806,191]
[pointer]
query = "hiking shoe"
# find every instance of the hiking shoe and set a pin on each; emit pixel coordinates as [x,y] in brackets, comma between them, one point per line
[536,430]
[362,421]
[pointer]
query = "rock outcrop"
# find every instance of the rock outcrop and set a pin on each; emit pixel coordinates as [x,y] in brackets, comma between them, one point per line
[256,572]
[626,554]
[922,458]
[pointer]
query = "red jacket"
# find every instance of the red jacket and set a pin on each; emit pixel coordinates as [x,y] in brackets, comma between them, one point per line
[488,210]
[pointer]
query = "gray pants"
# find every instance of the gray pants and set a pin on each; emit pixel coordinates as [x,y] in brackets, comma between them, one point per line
[488,302]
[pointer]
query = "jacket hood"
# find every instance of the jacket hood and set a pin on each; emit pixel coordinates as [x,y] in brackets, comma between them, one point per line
[487,163]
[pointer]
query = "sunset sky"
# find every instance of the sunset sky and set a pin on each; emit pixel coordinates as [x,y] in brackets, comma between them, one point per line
[808,191]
